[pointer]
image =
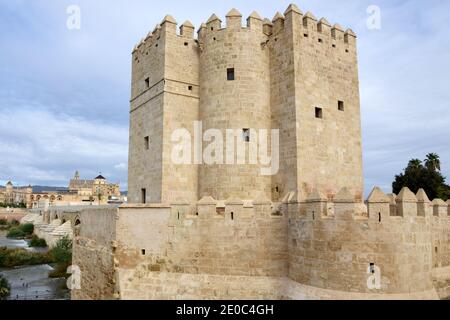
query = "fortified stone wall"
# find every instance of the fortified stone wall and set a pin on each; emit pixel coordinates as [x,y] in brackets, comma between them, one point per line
[93,252]
[336,243]
[241,103]
[320,248]
[294,74]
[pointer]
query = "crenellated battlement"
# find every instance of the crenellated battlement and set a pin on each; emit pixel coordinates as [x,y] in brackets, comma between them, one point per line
[409,208]
[331,247]
[293,17]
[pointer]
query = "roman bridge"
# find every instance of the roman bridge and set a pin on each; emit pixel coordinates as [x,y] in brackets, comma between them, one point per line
[55,223]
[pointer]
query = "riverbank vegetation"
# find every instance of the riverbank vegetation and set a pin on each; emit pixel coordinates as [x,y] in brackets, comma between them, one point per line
[5,225]
[21,205]
[62,256]
[5,289]
[37,242]
[23,231]
[10,258]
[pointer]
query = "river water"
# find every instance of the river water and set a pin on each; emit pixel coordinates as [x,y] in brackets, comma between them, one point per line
[32,282]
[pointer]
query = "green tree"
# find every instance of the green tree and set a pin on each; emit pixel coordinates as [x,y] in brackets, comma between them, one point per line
[433,162]
[62,252]
[417,175]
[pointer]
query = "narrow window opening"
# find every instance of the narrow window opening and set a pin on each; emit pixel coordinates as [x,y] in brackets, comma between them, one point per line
[341,105]
[379,217]
[196,214]
[178,216]
[186,44]
[147,143]
[320,40]
[147,83]
[214,39]
[143,196]
[143,252]
[334,46]
[190,88]
[372,268]
[246,135]
[232,216]
[305,35]
[436,249]
[156,45]
[212,28]
[319,113]
[277,189]
[230,74]
[314,215]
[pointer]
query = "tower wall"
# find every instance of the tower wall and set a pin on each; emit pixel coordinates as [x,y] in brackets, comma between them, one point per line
[146,118]
[181,109]
[329,155]
[282,99]
[165,98]
[243,103]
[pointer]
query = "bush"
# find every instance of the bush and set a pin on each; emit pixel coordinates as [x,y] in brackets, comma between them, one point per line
[15,233]
[3,222]
[36,242]
[27,228]
[5,289]
[10,258]
[21,231]
[62,252]
[62,255]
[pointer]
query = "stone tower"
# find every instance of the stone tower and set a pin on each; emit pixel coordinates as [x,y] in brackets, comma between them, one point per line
[294,74]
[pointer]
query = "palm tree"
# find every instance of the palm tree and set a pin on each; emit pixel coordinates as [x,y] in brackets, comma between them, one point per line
[415,164]
[433,162]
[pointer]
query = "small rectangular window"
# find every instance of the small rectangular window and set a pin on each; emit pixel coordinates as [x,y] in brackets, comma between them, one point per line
[246,135]
[190,88]
[147,143]
[143,196]
[320,40]
[341,106]
[319,113]
[147,83]
[305,35]
[230,74]
[143,252]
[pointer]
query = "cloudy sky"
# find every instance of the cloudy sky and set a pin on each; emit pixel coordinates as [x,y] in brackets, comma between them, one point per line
[64,94]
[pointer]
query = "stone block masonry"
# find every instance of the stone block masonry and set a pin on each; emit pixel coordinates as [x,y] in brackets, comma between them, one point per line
[293,74]
[214,231]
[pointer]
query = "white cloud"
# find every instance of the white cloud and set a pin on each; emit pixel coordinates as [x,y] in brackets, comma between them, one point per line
[121,166]
[64,95]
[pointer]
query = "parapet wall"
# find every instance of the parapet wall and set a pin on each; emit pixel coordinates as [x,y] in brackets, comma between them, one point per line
[254,22]
[329,248]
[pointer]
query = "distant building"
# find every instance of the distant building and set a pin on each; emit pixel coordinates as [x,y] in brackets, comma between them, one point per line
[80,191]
[11,195]
[97,191]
